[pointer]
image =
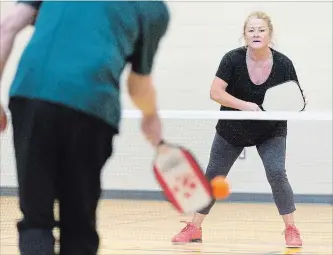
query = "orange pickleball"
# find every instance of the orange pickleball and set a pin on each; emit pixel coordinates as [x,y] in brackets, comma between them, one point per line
[220,187]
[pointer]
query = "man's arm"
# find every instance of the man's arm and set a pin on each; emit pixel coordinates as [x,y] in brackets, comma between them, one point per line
[20,16]
[140,85]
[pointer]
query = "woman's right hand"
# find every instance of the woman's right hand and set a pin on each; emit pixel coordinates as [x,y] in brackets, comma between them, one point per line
[248,106]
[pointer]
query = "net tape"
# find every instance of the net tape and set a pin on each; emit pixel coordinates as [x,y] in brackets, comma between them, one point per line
[232,115]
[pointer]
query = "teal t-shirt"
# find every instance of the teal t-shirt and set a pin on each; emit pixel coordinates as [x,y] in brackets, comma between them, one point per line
[78,51]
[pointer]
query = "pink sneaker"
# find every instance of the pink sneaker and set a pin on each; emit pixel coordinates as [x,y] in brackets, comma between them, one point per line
[189,234]
[293,237]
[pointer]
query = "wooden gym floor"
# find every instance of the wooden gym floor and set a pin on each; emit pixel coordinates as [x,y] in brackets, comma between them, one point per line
[146,227]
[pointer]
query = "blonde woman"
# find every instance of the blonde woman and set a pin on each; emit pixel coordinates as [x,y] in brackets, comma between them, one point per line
[243,76]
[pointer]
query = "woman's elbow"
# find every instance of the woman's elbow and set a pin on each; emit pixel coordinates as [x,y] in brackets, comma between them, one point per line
[214,94]
[211,95]
[217,89]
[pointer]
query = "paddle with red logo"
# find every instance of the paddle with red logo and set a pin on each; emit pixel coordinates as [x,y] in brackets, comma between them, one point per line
[181,178]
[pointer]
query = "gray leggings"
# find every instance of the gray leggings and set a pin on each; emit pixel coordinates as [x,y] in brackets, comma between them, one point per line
[272,153]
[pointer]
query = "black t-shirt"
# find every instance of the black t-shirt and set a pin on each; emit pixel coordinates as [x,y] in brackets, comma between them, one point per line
[233,70]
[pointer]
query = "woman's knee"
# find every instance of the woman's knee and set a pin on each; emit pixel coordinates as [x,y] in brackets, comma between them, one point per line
[222,157]
[277,176]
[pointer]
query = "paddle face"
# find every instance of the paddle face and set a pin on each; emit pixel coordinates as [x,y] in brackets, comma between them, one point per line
[287,96]
[181,179]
